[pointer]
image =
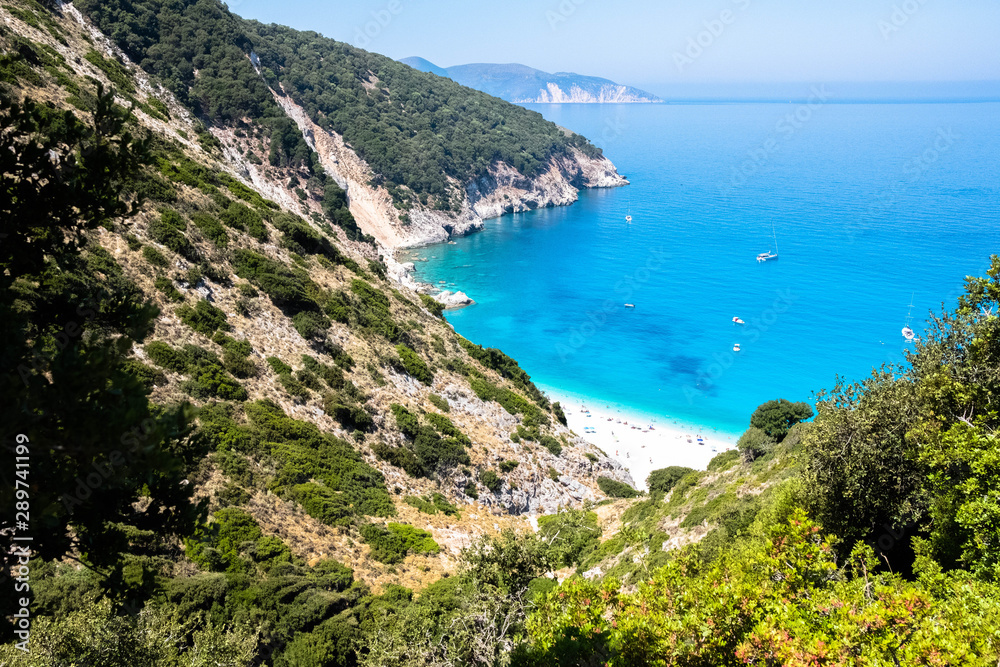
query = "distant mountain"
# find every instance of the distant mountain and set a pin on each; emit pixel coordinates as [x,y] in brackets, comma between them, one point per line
[523,85]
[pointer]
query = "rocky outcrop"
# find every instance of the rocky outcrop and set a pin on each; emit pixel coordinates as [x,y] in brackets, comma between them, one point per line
[610,93]
[453,300]
[502,190]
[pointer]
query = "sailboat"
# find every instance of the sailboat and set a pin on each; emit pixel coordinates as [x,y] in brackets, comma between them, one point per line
[907,332]
[765,256]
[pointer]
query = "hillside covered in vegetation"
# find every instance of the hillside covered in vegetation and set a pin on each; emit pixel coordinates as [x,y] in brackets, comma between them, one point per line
[239,443]
[424,138]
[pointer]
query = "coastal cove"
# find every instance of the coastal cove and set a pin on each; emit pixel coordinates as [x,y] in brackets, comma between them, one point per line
[871,205]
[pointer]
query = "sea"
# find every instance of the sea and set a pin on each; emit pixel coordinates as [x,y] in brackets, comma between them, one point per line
[877,212]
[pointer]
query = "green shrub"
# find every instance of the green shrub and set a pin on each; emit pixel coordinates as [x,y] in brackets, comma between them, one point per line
[372,311]
[615,489]
[238,364]
[664,479]
[323,504]
[774,418]
[294,387]
[553,474]
[414,365]
[558,412]
[551,444]
[112,69]
[570,534]
[754,443]
[511,401]
[310,324]
[134,244]
[392,543]
[279,366]
[166,285]
[446,428]
[233,533]
[439,402]
[238,216]
[723,461]
[433,305]
[165,356]
[351,417]
[401,457]
[591,457]
[430,448]
[203,318]
[211,228]
[149,376]
[508,466]
[287,289]
[490,480]
[168,230]
[303,454]
[155,257]
[470,490]
[432,504]
[495,359]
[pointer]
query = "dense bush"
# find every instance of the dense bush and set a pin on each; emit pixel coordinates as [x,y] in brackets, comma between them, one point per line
[433,305]
[615,489]
[305,455]
[287,289]
[372,310]
[664,479]
[390,544]
[495,359]
[168,230]
[401,457]
[239,216]
[511,401]
[570,534]
[211,228]
[155,257]
[426,442]
[351,416]
[551,444]
[147,375]
[414,365]
[723,460]
[166,285]
[203,318]
[774,418]
[558,412]
[491,480]
[439,402]
[754,443]
[432,504]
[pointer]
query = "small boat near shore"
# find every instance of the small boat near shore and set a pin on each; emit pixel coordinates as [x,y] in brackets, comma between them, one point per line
[630,305]
[736,347]
[737,320]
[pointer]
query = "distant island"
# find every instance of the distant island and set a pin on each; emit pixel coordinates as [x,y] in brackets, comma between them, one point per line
[525,85]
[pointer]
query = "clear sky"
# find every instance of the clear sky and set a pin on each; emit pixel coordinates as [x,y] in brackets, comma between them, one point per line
[654,42]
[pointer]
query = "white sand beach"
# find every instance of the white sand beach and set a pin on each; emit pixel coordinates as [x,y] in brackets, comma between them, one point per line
[628,438]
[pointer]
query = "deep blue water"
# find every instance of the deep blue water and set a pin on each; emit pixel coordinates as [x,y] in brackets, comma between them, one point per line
[870,204]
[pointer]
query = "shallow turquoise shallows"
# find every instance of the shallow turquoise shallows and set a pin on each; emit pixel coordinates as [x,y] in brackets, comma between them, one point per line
[869,204]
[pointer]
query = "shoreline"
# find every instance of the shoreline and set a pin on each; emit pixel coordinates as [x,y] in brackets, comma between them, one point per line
[639,449]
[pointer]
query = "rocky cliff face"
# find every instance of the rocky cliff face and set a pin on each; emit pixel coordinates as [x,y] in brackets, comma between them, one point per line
[502,190]
[574,94]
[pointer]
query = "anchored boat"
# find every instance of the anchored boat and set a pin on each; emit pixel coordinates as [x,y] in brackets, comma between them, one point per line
[767,256]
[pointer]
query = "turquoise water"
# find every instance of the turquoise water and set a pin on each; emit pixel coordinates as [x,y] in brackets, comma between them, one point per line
[870,204]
